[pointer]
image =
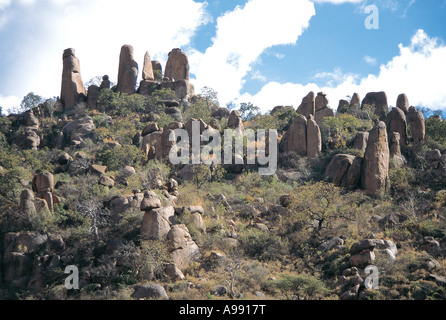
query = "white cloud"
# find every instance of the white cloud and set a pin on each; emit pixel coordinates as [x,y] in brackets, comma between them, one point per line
[242,36]
[96,30]
[370,60]
[418,71]
[337,1]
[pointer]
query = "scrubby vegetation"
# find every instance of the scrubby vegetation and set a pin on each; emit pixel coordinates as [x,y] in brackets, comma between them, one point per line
[269,233]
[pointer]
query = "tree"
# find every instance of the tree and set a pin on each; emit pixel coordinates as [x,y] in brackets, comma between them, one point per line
[248,110]
[30,101]
[300,286]
[318,205]
[210,96]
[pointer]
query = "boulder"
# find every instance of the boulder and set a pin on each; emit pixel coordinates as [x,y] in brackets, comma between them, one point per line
[434,160]
[338,168]
[355,101]
[416,120]
[331,244]
[182,248]
[221,113]
[378,100]
[352,179]
[396,122]
[106,181]
[157,223]
[235,121]
[128,71]
[73,90]
[43,182]
[376,161]
[173,272]
[75,130]
[307,106]
[105,83]
[92,97]
[150,291]
[361,140]
[362,259]
[150,201]
[295,138]
[177,66]
[27,206]
[149,128]
[403,103]
[323,113]
[97,169]
[117,207]
[395,150]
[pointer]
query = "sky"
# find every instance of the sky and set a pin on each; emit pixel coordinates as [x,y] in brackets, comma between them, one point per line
[265,52]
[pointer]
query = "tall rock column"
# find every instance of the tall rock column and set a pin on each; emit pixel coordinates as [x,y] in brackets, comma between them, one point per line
[128,71]
[416,120]
[73,90]
[308,105]
[376,161]
[295,139]
[314,140]
[177,66]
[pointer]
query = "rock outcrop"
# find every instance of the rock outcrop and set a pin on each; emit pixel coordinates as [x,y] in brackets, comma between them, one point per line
[402,103]
[376,161]
[416,121]
[378,100]
[73,90]
[147,70]
[396,122]
[295,138]
[308,105]
[182,248]
[128,71]
[314,140]
[177,66]
[322,110]
[302,137]
[361,140]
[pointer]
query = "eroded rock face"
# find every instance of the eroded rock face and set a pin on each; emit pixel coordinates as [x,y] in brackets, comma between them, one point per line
[376,161]
[177,66]
[147,70]
[182,248]
[395,150]
[378,100]
[416,120]
[75,130]
[157,223]
[403,103]
[361,140]
[396,122]
[295,139]
[307,106]
[314,140]
[73,90]
[128,71]
[338,167]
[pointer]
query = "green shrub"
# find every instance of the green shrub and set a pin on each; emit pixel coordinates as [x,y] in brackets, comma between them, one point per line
[300,286]
[119,157]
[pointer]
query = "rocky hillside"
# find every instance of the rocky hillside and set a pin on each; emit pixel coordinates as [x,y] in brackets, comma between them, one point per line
[355,210]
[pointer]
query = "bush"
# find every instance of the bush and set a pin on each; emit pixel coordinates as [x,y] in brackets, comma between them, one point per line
[300,287]
[339,130]
[119,157]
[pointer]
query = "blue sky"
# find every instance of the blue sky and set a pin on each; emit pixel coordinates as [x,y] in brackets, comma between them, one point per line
[266,52]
